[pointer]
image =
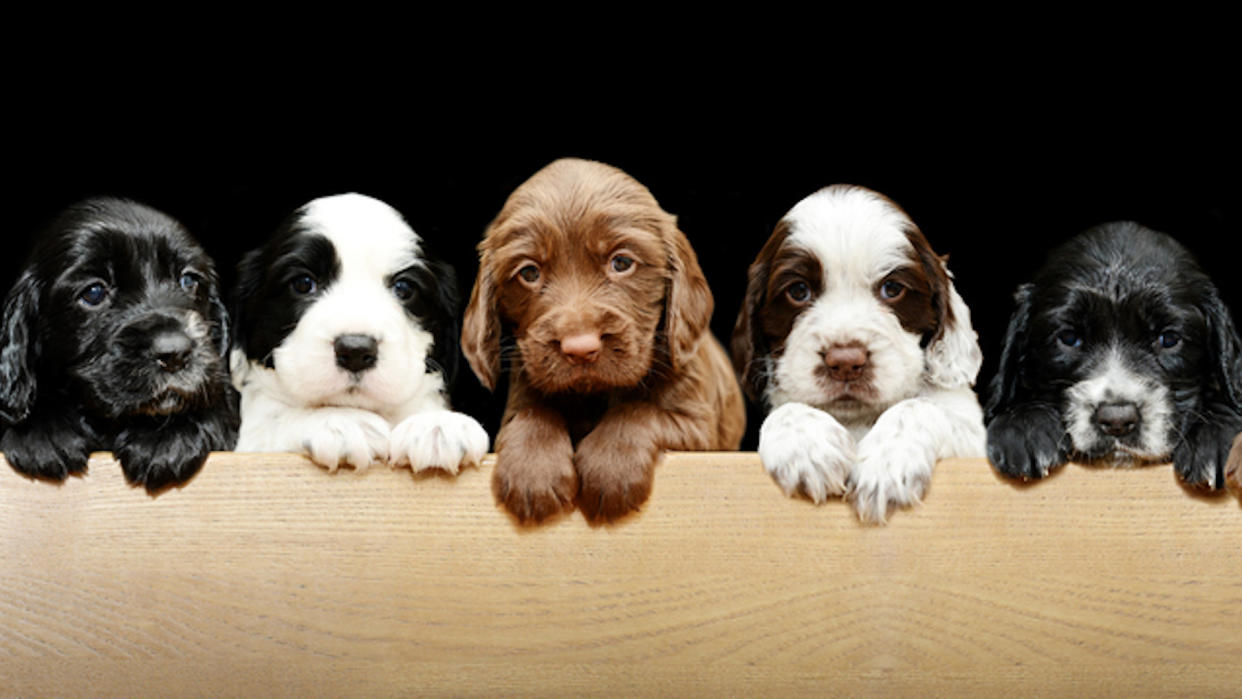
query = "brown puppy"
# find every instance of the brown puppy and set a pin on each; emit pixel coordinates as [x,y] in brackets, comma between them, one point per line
[608,309]
[1233,467]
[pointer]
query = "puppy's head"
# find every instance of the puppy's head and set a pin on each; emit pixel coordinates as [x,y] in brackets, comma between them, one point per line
[118,309]
[591,279]
[342,307]
[848,309]
[1123,332]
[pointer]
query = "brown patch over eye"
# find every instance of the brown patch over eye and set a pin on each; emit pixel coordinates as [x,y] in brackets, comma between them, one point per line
[795,280]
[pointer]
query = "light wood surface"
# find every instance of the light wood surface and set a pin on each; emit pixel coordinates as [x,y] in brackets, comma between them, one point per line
[266,575]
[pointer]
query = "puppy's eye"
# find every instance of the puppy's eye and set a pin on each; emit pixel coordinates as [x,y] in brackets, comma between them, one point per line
[304,285]
[1169,339]
[529,274]
[403,289]
[93,295]
[1070,339]
[798,292]
[891,290]
[189,282]
[621,263]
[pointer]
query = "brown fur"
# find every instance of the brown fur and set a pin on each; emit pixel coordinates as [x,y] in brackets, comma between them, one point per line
[592,432]
[1233,467]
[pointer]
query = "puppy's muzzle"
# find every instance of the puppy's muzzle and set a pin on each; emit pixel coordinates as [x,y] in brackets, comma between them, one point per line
[356,353]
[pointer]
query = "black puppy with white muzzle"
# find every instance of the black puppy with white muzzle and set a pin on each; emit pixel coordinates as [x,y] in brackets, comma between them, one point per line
[1120,351]
[113,339]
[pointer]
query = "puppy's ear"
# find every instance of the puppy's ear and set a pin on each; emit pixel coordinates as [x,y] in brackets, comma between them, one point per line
[220,330]
[747,346]
[1226,348]
[953,356]
[480,328]
[1003,390]
[689,304]
[20,352]
[437,282]
[249,281]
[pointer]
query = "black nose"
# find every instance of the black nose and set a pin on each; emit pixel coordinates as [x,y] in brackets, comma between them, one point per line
[1117,419]
[171,350]
[356,352]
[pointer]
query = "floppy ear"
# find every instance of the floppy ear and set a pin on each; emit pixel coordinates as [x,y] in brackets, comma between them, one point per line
[953,356]
[437,285]
[747,347]
[1003,389]
[220,330]
[1227,349]
[20,352]
[689,304]
[480,328]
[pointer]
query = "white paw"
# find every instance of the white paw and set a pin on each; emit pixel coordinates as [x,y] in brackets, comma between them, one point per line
[438,439]
[806,450]
[346,436]
[892,469]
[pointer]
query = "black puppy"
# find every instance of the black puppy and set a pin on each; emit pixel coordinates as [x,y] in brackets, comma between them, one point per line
[113,339]
[1119,351]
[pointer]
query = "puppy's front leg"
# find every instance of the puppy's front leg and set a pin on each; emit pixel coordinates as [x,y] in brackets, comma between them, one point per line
[329,436]
[534,476]
[48,445]
[440,439]
[807,451]
[158,453]
[1027,440]
[897,456]
[1200,458]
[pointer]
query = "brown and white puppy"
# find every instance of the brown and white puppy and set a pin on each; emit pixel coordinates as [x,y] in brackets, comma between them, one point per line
[602,310]
[855,339]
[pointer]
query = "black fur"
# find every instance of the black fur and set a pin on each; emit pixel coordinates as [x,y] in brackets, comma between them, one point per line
[1117,288]
[85,363]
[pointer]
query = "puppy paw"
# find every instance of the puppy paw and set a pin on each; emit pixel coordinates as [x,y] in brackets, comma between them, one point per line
[891,471]
[615,475]
[349,436]
[439,439]
[44,449]
[807,451]
[1026,443]
[1201,458]
[534,484]
[157,456]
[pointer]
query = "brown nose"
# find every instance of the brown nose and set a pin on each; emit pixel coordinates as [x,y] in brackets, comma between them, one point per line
[582,348]
[846,362]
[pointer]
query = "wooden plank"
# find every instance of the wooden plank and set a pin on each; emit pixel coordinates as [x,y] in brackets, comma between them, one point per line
[266,575]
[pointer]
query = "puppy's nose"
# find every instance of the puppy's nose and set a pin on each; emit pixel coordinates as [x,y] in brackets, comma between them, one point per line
[1117,419]
[582,348]
[356,353]
[846,362]
[172,349]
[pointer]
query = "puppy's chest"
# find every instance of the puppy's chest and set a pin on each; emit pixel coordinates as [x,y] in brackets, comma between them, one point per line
[583,413]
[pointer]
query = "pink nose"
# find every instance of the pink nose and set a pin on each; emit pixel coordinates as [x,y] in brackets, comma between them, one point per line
[583,347]
[846,362]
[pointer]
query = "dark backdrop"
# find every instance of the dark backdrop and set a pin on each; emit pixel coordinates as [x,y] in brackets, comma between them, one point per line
[993,186]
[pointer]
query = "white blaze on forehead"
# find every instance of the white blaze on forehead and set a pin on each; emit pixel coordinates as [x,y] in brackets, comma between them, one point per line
[858,236]
[370,237]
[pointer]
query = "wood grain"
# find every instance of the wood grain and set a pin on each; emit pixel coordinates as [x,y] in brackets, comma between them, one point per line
[266,575]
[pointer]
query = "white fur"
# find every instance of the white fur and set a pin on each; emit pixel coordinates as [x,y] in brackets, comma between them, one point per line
[1114,381]
[395,410]
[880,450]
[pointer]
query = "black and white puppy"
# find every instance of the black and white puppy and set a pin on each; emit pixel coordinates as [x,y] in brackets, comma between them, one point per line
[853,334]
[347,340]
[114,337]
[1119,351]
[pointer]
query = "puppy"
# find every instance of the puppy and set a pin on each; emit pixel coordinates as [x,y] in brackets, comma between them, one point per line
[1119,351]
[114,336]
[346,343]
[603,311]
[854,337]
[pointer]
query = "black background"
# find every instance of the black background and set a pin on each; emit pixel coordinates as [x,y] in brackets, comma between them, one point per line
[993,177]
